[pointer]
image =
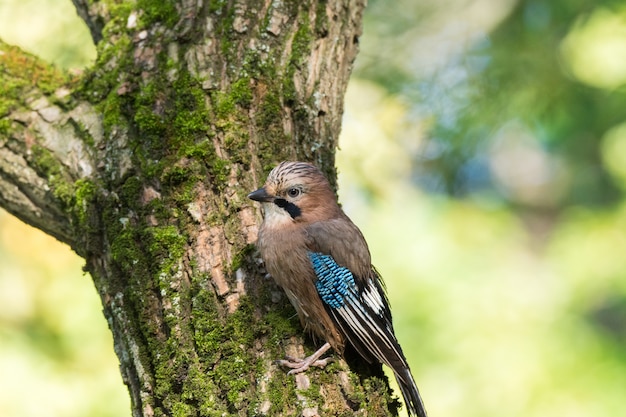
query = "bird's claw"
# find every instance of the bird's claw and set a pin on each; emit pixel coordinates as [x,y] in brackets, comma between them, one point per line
[301,365]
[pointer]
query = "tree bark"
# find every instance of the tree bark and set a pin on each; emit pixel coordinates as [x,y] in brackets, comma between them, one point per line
[142,165]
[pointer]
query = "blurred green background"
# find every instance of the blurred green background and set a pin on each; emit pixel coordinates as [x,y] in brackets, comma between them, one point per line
[483,154]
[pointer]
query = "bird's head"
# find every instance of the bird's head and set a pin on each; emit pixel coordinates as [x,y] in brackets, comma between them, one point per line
[296,192]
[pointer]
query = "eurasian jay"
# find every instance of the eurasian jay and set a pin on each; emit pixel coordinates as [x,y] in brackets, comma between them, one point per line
[321,260]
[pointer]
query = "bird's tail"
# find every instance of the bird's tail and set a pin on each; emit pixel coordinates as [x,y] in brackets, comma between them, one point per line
[412,398]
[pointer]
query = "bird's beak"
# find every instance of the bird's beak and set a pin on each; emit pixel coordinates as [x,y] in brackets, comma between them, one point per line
[260,195]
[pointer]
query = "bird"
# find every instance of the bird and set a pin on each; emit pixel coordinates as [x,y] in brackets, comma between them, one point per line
[321,260]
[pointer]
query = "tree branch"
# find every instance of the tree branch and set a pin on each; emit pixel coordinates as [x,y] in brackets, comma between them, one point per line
[43,136]
[94,14]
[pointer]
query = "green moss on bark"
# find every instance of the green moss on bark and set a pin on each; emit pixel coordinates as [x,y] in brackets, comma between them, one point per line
[200,356]
[158,11]
[21,73]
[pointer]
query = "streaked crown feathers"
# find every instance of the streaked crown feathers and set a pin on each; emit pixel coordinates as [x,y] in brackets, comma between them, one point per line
[287,173]
[299,189]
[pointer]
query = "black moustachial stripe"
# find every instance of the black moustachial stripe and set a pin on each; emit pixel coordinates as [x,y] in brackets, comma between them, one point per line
[292,209]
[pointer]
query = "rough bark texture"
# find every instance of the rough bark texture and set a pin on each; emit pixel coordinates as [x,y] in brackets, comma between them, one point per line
[142,165]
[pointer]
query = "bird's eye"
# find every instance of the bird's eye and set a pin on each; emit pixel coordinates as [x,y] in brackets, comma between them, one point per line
[293,192]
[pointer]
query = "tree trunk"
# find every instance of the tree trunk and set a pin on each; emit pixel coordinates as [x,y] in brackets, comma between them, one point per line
[142,165]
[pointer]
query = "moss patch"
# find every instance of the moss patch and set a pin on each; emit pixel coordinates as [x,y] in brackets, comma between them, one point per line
[161,11]
[20,73]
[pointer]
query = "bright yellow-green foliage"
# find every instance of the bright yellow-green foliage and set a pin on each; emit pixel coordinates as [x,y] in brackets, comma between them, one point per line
[48,28]
[499,314]
[56,346]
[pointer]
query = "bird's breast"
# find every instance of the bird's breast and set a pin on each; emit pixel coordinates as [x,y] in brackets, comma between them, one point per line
[287,259]
[284,252]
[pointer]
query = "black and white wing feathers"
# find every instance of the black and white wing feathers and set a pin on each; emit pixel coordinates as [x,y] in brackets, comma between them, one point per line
[359,305]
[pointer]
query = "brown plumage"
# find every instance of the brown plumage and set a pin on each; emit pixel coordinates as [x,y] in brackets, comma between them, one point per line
[321,260]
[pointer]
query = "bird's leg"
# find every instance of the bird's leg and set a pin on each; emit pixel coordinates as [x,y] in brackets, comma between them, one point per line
[301,365]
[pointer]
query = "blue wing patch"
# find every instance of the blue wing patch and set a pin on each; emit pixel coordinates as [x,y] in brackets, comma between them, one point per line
[334,283]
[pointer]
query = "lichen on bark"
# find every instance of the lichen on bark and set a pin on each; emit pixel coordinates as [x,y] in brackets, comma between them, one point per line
[143,164]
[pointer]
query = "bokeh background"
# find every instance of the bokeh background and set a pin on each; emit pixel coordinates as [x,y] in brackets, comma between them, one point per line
[483,154]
